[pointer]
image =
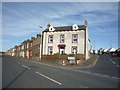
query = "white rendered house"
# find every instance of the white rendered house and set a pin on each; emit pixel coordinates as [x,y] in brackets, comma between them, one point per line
[66,39]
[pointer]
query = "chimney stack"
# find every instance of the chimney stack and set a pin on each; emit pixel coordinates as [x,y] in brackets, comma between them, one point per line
[38,35]
[32,38]
[48,25]
[86,23]
[28,40]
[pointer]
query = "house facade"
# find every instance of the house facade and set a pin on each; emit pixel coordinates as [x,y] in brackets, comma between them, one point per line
[66,40]
[31,46]
[36,46]
[27,48]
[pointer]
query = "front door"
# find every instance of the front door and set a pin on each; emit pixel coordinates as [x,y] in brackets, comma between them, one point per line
[62,50]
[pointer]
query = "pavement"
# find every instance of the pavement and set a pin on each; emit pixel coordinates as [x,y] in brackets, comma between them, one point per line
[55,62]
[18,73]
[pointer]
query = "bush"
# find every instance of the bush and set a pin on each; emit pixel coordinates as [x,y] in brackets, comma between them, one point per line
[63,54]
[79,54]
[57,53]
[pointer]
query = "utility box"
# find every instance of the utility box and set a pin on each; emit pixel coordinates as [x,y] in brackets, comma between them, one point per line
[71,60]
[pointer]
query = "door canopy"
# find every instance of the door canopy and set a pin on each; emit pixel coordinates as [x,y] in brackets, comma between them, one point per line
[61,45]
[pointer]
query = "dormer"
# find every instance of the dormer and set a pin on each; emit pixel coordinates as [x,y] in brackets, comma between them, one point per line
[51,28]
[75,27]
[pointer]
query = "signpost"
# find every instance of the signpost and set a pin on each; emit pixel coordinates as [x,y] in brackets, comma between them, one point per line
[71,60]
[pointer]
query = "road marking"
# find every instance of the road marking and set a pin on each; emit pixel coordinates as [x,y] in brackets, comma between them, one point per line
[25,66]
[113,62]
[106,75]
[116,77]
[118,66]
[49,78]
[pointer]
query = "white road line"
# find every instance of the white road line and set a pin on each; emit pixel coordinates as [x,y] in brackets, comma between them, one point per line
[118,66]
[116,77]
[113,62]
[25,66]
[49,78]
[106,75]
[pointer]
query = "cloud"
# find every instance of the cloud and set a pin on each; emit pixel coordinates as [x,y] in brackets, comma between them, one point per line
[22,19]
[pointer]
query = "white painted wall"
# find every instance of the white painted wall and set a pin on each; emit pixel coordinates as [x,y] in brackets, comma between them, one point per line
[68,41]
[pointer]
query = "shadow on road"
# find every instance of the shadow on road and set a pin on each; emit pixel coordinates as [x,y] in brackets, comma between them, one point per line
[4,88]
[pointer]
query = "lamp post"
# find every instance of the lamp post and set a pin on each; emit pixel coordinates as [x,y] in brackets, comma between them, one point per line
[94,45]
[40,44]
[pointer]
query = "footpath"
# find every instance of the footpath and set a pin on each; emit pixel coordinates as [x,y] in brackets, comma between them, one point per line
[55,62]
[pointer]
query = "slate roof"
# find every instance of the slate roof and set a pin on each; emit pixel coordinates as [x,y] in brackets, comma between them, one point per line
[66,28]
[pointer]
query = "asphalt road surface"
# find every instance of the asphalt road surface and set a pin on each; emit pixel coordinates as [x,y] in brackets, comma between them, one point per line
[19,73]
[106,65]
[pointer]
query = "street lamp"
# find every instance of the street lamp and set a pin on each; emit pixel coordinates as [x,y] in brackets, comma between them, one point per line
[40,44]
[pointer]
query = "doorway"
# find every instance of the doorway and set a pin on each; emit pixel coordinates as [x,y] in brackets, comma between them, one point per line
[62,50]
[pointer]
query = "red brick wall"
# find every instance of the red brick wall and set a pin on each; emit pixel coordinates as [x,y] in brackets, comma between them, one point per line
[77,57]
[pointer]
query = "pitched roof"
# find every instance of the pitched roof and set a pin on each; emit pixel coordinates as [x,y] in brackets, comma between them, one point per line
[66,28]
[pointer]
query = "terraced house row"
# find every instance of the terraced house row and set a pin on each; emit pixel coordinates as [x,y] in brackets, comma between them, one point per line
[55,40]
[27,49]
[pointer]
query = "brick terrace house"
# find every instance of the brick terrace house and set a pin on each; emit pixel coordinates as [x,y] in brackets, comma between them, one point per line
[20,51]
[27,49]
[66,39]
[36,46]
[30,47]
[16,51]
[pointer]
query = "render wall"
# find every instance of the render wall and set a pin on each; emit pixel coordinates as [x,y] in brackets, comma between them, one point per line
[68,41]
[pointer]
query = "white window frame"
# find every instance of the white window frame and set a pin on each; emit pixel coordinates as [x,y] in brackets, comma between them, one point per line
[74,48]
[73,38]
[62,38]
[49,39]
[50,50]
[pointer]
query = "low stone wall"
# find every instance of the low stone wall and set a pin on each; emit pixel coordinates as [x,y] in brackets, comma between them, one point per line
[63,57]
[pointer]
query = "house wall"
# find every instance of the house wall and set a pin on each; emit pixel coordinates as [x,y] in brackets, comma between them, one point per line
[36,47]
[68,41]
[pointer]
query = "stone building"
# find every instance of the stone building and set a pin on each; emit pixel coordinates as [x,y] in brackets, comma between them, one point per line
[36,46]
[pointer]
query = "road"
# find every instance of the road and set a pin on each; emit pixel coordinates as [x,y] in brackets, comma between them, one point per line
[19,73]
[106,65]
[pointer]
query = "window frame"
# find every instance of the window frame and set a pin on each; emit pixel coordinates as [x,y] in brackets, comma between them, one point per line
[73,38]
[72,49]
[49,39]
[61,38]
[49,50]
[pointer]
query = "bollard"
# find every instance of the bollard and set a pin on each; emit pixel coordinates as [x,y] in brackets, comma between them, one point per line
[78,62]
[63,62]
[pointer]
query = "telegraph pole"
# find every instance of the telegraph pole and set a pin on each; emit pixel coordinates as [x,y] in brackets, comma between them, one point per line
[110,44]
[94,45]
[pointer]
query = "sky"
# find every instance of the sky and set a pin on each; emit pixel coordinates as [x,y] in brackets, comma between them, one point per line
[20,20]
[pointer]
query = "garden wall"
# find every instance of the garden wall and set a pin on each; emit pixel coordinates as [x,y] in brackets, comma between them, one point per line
[64,57]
